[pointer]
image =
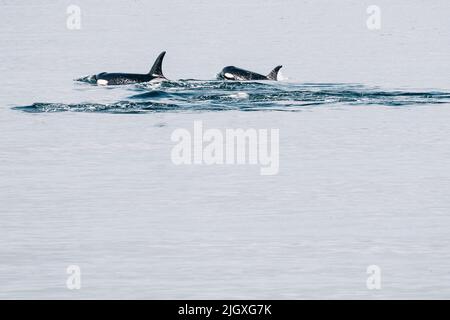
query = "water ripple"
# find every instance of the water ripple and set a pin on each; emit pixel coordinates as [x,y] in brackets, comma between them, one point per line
[194,95]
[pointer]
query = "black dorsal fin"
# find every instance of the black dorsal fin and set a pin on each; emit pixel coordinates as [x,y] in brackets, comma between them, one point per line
[274,73]
[156,70]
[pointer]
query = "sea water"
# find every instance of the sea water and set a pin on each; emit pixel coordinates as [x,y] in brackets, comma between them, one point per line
[87,178]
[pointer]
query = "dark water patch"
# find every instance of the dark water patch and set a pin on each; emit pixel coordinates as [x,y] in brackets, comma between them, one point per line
[118,107]
[195,95]
[151,95]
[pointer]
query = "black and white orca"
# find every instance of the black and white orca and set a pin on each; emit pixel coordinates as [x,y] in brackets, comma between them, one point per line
[155,73]
[233,73]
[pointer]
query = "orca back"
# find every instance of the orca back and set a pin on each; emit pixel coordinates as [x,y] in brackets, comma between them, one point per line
[155,72]
[234,73]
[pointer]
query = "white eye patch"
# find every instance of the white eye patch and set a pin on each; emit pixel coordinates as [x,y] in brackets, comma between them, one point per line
[228,75]
[102,82]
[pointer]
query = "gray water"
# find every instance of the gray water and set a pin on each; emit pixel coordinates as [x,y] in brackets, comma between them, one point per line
[87,178]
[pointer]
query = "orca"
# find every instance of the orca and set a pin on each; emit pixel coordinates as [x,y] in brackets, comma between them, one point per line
[155,73]
[234,73]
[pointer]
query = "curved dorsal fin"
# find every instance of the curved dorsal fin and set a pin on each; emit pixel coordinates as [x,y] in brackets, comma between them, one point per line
[274,73]
[156,69]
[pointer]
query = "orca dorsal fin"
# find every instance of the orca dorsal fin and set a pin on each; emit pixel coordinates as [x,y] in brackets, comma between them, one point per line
[274,73]
[156,70]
